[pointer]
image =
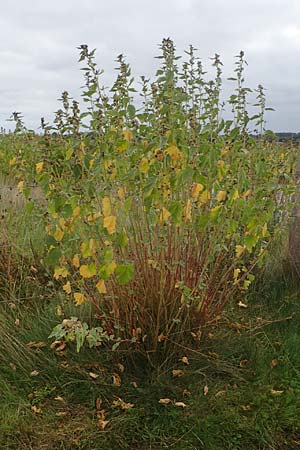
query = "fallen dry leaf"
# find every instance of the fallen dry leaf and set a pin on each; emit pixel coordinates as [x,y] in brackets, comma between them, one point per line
[98,404]
[116,379]
[274,363]
[185,360]
[177,373]
[242,305]
[164,401]
[205,390]
[62,414]
[58,346]
[34,373]
[186,393]
[243,362]
[274,392]
[119,403]
[36,410]
[103,423]
[32,344]
[93,375]
[59,311]
[121,368]
[246,407]
[180,404]
[220,394]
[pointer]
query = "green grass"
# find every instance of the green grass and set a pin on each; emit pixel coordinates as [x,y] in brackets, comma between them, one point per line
[249,361]
[252,375]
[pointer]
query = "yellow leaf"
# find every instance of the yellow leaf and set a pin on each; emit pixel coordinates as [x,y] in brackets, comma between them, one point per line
[60,272]
[87,271]
[247,193]
[67,287]
[75,261]
[235,195]
[20,186]
[62,223]
[214,211]
[112,267]
[12,161]
[107,164]
[93,246]
[106,207]
[164,215]
[94,216]
[79,298]
[76,211]
[127,135]
[175,153]
[39,167]
[122,147]
[110,224]
[59,234]
[196,189]
[221,196]
[85,249]
[91,163]
[101,287]
[205,197]
[236,273]
[239,250]
[121,193]
[144,165]
[188,211]
[264,230]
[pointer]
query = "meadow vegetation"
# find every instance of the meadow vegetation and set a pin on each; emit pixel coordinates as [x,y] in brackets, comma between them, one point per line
[146,296]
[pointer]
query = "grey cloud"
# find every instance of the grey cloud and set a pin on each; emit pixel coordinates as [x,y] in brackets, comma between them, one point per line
[38,43]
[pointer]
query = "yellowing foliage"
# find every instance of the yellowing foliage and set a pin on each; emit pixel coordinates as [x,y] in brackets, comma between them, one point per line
[196,189]
[87,271]
[79,298]
[106,207]
[101,287]
[110,224]
[59,234]
[39,167]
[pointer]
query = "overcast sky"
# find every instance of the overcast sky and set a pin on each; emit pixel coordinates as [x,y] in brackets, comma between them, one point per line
[38,41]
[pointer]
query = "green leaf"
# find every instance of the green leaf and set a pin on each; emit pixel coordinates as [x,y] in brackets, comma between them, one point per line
[131,111]
[176,209]
[124,273]
[122,240]
[52,259]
